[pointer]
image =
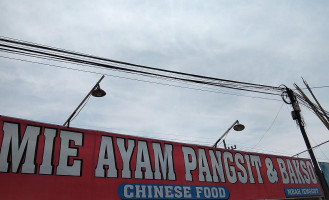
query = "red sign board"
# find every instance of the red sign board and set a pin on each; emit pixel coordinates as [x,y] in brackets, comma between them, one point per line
[43,161]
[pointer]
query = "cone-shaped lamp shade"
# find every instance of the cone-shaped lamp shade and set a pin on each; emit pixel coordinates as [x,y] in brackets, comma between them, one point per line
[238,127]
[98,92]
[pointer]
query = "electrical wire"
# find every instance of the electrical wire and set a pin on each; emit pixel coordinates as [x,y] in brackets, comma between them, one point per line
[276,116]
[148,74]
[46,52]
[19,47]
[316,146]
[315,87]
[134,79]
[24,43]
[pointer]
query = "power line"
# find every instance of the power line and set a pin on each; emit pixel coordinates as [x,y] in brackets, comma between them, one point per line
[311,148]
[318,148]
[316,87]
[134,79]
[131,71]
[19,47]
[45,52]
[24,43]
[276,116]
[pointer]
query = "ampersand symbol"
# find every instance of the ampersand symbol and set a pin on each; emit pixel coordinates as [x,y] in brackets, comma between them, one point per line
[272,174]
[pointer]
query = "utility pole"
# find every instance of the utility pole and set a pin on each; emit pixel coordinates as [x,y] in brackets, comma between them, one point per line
[297,116]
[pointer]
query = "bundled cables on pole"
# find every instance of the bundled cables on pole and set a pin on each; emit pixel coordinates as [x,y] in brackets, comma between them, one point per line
[317,109]
[24,48]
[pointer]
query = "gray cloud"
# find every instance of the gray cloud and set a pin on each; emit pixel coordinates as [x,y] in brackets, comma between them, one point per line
[266,42]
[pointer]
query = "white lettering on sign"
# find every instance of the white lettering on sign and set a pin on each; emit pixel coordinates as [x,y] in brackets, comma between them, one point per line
[48,152]
[283,170]
[311,172]
[271,172]
[66,151]
[19,148]
[189,161]
[217,166]
[306,174]
[234,166]
[157,191]
[242,173]
[255,162]
[22,150]
[163,162]
[106,165]
[251,176]
[143,162]
[163,168]
[303,170]
[126,154]
[32,149]
[229,167]
[300,177]
[204,170]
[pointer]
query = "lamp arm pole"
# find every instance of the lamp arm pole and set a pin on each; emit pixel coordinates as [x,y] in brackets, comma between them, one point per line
[221,137]
[67,122]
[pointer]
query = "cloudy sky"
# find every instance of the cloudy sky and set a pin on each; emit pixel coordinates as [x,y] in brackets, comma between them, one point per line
[265,42]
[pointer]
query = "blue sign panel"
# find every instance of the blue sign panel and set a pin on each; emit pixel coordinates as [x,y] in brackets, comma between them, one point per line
[159,191]
[325,168]
[302,191]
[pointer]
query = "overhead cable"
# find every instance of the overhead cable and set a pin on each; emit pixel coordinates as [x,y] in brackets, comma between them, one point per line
[194,87]
[50,53]
[311,148]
